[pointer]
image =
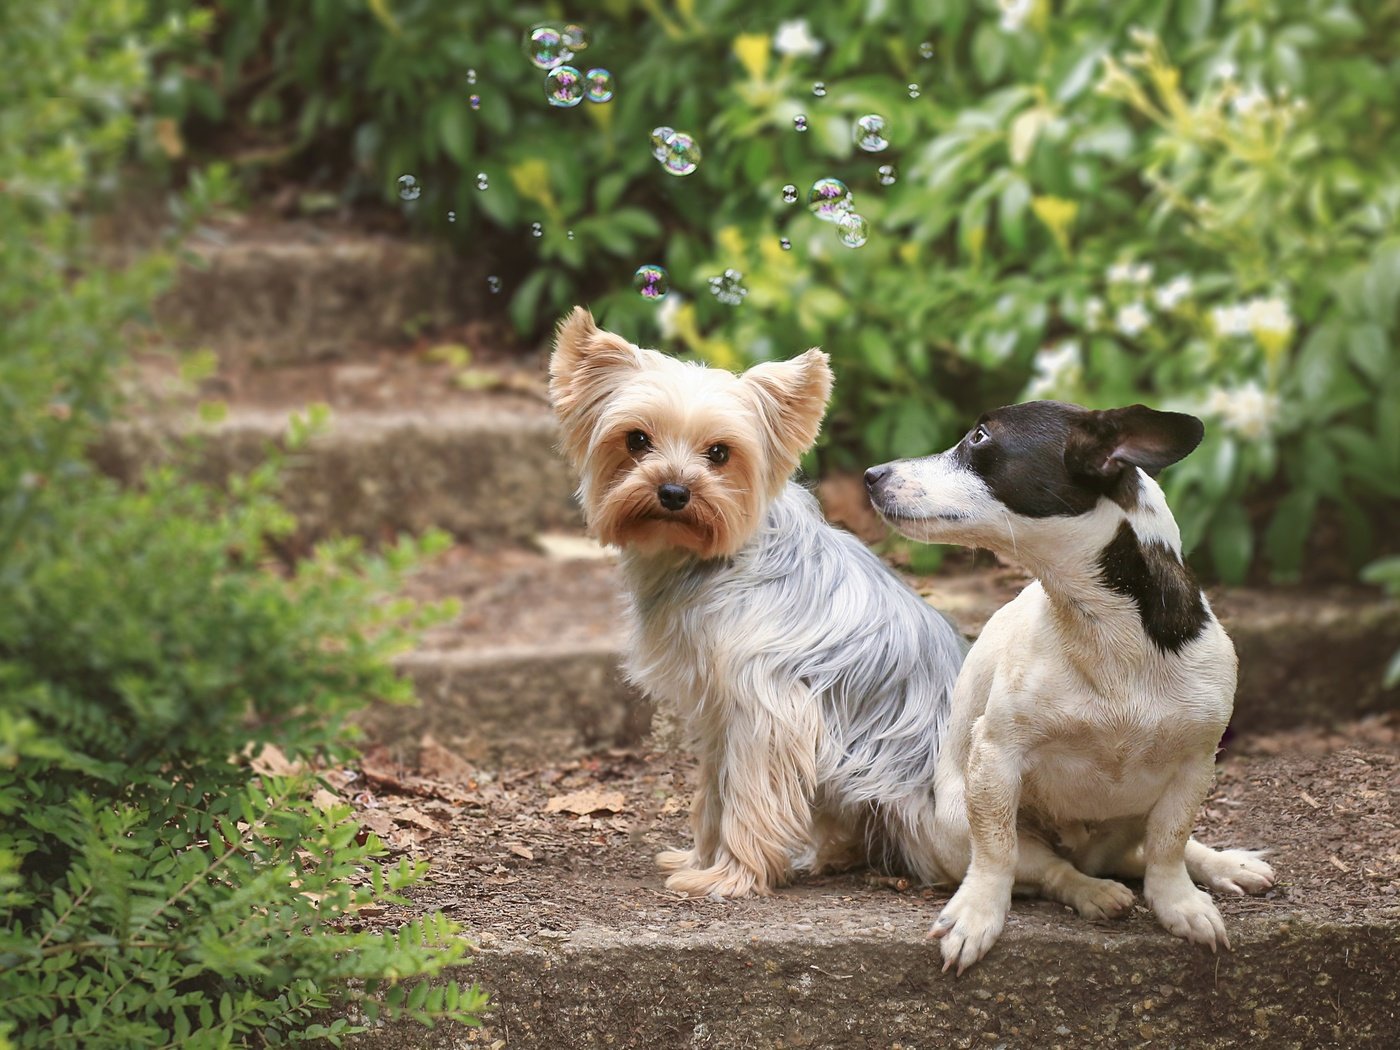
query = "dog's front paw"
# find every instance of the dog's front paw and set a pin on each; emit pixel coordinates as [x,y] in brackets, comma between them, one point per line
[719,881]
[969,925]
[1189,913]
[669,860]
[1237,871]
[1100,899]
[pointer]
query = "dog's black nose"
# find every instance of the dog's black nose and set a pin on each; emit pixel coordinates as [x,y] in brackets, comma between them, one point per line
[673,496]
[875,475]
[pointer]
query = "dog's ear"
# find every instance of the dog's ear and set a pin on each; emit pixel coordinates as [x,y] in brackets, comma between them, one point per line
[1102,444]
[585,368]
[790,398]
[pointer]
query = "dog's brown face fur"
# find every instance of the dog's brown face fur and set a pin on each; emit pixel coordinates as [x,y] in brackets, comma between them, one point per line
[676,455]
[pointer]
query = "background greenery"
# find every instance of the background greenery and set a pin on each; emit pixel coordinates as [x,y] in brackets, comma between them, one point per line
[1063,165]
[156,889]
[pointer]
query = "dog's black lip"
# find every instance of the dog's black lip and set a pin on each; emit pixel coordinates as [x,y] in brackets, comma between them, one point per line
[892,514]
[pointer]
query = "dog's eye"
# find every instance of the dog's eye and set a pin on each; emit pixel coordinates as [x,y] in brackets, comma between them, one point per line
[979,435]
[717,454]
[638,442]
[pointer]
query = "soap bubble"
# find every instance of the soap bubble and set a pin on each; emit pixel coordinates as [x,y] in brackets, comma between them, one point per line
[409,189]
[682,154]
[913,90]
[660,136]
[800,122]
[471,76]
[482,182]
[494,283]
[545,47]
[600,85]
[651,282]
[474,101]
[789,194]
[926,50]
[886,174]
[870,133]
[575,37]
[828,199]
[452,216]
[819,89]
[536,229]
[785,244]
[852,229]
[563,87]
[729,288]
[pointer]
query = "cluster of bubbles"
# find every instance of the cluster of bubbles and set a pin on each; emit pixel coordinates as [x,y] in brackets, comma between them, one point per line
[677,151]
[728,287]
[651,282]
[831,201]
[551,48]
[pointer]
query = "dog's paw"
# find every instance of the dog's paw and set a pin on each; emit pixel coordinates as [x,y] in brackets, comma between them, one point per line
[1100,898]
[968,926]
[1189,913]
[1237,871]
[719,881]
[669,860]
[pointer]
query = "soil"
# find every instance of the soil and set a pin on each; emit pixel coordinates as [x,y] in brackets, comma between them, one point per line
[1325,804]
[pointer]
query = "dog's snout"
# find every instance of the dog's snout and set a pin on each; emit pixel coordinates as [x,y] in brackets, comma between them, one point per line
[875,475]
[673,496]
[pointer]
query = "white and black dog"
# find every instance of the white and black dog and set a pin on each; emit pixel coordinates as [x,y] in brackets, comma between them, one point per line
[1086,718]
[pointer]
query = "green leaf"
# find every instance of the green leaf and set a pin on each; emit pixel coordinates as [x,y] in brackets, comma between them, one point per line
[1194,17]
[1369,350]
[1231,543]
[1287,533]
[988,51]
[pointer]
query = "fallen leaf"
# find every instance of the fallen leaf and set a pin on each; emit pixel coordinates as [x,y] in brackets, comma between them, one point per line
[1336,863]
[1310,800]
[520,850]
[272,762]
[419,819]
[437,761]
[326,799]
[587,800]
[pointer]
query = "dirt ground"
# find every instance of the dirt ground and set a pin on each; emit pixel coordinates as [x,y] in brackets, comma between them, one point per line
[540,852]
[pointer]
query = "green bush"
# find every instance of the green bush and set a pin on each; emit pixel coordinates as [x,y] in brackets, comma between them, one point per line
[1185,201]
[154,889]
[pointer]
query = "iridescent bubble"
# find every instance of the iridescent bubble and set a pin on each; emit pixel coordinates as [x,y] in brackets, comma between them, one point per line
[926,50]
[571,235]
[785,244]
[536,229]
[563,87]
[474,101]
[819,89]
[494,283]
[886,174]
[651,282]
[409,189]
[575,37]
[682,154]
[852,229]
[600,85]
[482,182]
[660,136]
[729,288]
[544,47]
[828,199]
[800,122]
[471,76]
[913,90]
[452,216]
[789,194]
[870,133]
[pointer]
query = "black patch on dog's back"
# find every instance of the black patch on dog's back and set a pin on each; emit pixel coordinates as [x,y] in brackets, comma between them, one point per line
[1164,590]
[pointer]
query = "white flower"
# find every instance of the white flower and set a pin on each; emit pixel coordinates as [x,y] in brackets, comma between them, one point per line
[1056,370]
[1171,294]
[1230,320]
[1249,101]
[1132,319]
[1247,410]
[1014,13]
[1093,311]
[1269,316]
[666,315]
[795,38]
[1128,273]
[1226,71]
[1142,273]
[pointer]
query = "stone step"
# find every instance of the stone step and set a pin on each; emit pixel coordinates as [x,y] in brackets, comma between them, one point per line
[530,667]
[296,292]
[580,945]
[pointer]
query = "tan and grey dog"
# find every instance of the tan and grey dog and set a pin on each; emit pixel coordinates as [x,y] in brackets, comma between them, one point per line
[1087,716]
[813,683]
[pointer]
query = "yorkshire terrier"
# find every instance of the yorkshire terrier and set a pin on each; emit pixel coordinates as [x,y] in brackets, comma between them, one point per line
[813,684]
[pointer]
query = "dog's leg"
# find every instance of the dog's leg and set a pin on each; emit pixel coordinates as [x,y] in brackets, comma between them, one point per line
[1237,871]
[1046,873]
[764,781]
[705,810]
[1182,908]
[972,921]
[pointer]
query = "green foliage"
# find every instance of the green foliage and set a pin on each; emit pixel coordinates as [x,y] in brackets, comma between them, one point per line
[1060,169]
[154,890]
[1386,573]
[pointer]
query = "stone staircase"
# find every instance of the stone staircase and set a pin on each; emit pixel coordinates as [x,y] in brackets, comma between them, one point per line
[526,677]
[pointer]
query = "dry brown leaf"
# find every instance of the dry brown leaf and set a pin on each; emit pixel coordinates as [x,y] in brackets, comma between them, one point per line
[326,799]
[442,763]
[587,800]
[521,850]
[272,762]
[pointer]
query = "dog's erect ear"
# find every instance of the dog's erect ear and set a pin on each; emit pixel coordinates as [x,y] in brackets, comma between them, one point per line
[1102,444]
[585,368]
[790,400]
